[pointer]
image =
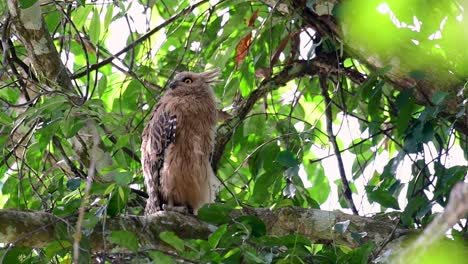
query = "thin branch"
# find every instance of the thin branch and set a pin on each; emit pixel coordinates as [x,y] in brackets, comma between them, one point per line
[89,181]
[346,190]
[132,45]
[73,168]
[290,72]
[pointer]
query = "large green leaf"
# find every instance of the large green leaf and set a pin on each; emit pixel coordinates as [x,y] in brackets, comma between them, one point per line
[125,239]
[173,240]
[95,27]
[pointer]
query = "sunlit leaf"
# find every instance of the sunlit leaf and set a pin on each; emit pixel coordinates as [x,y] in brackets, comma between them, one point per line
[173,240]
[214,238]
[95,27]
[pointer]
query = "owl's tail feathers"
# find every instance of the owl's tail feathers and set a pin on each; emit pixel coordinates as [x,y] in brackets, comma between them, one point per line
[215,184]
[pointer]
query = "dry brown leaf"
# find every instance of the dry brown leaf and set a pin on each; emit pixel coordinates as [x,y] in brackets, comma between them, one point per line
[242,48]
[244,43]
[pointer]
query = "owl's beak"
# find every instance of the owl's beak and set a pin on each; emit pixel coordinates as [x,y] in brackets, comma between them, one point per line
[173,84]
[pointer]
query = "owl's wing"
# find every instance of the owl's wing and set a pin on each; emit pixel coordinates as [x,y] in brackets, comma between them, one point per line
[158,135]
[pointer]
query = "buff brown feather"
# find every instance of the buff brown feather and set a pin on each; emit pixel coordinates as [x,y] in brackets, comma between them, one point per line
[177,143]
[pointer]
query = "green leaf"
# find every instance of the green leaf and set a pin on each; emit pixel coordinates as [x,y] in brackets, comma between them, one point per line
[358,237]
[123,178]
[56,247]
[287,159]
[246,81]
[23,4]
[384,198]
[257,226]
[414,205]
[268,154]
[173,240]
[118,200]
[251,257]
[215,213]
[341,227]
[439,97]
[320,189]
[405,104]
[374,101]
[260,194]
[102,85]
[5,119]
[125,239]
[215,237]
[108,17]
[131,91]
[102,188]
[71,126]
[160,258]
[360,255]
[81,14]
[73,184]
[15,254]
[95,27]
[67,207]
[233,256]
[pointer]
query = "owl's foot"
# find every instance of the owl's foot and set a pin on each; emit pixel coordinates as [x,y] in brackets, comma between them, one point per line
[179,209]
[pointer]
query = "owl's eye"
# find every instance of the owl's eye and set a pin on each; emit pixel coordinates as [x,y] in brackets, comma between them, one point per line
[187,80]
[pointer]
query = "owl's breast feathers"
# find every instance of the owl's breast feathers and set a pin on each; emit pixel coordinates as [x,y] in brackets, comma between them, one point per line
[176,146]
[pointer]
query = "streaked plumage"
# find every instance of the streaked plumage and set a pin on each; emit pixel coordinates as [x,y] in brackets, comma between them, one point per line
[177,143]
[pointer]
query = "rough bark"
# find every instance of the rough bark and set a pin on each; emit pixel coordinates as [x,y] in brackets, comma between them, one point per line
[37,229]
[28,25]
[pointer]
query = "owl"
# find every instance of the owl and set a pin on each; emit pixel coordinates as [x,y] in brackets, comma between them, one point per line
[177,143]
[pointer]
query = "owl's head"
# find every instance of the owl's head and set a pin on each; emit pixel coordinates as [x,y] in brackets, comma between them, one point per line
[193,80]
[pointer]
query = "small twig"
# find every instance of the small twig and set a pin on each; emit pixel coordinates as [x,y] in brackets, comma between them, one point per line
[73,168]
[89,181]
[291,71]
[347,194]
[139,40]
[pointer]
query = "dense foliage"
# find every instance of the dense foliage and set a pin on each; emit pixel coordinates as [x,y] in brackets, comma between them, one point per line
[401,157]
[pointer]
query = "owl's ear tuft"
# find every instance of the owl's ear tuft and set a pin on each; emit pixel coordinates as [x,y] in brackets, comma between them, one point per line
[212,75]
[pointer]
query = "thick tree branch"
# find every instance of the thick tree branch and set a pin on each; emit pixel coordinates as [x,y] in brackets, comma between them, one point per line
[37,229]
[30,28]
